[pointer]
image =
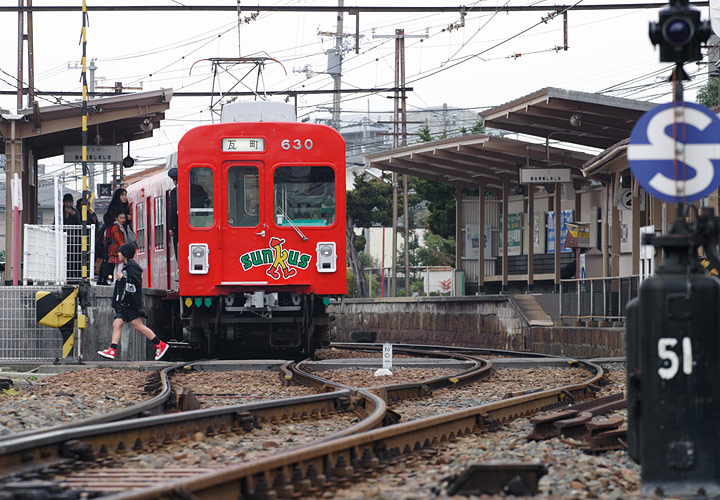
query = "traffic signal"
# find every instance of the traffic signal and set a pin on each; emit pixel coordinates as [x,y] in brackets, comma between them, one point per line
[679,32]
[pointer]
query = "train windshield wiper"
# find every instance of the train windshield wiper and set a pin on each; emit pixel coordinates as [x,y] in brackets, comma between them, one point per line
[290,221]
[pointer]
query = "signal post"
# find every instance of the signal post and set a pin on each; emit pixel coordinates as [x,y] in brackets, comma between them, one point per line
[672,335]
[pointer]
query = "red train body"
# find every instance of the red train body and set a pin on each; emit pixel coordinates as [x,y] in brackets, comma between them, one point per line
[261,222]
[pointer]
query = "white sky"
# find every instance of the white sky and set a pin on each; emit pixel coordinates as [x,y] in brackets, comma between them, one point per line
[156,50]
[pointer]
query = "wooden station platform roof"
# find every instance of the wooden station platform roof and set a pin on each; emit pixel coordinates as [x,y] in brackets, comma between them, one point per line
[555,114]
[113,120]
[581,118]
[471,160]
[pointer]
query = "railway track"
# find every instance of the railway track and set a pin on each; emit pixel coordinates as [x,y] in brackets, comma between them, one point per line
[157,384]
[61,445]
[352,452]
[337,463]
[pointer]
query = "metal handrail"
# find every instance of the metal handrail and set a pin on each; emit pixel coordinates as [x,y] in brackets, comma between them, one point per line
[616,292]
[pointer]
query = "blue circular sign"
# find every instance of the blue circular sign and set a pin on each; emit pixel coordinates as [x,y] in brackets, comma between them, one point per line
[674,152]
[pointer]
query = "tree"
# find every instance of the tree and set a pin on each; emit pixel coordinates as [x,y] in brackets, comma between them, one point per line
[478,128]
[708,95]
[441,205]
[369,202]
[424,133]
[437,251]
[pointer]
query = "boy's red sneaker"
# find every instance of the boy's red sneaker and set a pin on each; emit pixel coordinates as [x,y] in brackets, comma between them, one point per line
[108,353]
[161,349]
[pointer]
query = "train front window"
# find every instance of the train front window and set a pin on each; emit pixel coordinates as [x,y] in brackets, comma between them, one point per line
[305,196]
[201,197]
[243,196]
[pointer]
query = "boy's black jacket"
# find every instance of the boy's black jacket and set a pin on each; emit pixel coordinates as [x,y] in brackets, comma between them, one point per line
[132,273]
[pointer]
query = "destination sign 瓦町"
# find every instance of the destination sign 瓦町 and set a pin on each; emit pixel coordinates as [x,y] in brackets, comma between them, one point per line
[243,144]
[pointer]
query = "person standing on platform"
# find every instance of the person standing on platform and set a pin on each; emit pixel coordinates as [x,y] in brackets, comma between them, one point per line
[70,215]
[118,236]
[118,204]
[173,211]
[128,305]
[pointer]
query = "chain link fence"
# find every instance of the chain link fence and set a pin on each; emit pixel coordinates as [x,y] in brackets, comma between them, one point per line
[21,337]
[597,299]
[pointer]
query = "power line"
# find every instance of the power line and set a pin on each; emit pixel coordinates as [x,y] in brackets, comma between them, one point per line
[345,9]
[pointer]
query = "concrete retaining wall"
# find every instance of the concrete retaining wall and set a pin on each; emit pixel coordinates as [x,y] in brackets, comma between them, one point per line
[488,321]
[479,321]
[577,342]
[133,346]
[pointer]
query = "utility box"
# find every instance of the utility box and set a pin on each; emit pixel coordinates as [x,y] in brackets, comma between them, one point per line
[673,348]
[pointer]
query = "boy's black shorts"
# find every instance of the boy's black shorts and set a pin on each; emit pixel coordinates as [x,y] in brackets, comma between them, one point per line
[128,315]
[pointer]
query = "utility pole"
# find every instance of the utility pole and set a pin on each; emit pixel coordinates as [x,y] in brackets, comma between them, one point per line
[25,37]
[400,138]
[335,67]
[399,116]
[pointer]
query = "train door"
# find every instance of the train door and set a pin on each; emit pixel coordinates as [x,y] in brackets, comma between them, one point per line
[150,240]
[244,236]
[169,240]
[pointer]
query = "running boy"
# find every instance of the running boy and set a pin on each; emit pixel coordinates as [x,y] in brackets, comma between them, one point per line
[128,307]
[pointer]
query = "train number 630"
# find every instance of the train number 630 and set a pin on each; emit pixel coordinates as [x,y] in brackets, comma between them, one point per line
[296,144]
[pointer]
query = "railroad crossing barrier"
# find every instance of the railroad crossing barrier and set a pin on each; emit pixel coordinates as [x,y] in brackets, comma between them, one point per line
[58,309]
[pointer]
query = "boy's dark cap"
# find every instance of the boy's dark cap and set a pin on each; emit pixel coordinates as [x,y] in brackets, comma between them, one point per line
[172,173]
[128,250]
[68,197]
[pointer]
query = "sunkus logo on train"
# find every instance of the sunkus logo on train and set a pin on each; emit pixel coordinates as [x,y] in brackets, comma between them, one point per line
[283,263]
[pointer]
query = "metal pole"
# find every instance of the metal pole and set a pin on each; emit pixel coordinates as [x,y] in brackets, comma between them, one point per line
[21,31]
[406,214]
[605,311]
[577,290]
[85,259]
[31,57]
[337,72]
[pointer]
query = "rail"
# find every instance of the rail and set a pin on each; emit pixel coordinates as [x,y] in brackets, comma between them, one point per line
[597,299]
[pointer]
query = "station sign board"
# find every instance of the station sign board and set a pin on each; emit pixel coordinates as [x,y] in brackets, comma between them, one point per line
[95,154]
[544,175]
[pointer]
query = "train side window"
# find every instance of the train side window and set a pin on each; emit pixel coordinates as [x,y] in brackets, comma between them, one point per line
[201,197]
[305,195]
[243,196]
[159,222]
[140,224]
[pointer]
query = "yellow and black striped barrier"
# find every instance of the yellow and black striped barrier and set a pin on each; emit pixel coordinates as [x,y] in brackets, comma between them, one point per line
[709,269]
[57,309]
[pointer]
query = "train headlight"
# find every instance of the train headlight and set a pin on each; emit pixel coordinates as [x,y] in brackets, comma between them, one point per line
[326,257]
[198,258]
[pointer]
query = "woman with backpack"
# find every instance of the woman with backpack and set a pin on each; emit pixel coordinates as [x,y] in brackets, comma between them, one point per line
[118,204]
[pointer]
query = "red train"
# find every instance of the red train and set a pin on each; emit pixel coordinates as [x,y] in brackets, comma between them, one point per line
[261,209]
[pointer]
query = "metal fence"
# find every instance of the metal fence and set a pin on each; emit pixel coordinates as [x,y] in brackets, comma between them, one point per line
[21,337]
[597,299]
[52,256]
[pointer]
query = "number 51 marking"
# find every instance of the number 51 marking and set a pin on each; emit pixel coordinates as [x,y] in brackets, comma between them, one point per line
[666,353]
